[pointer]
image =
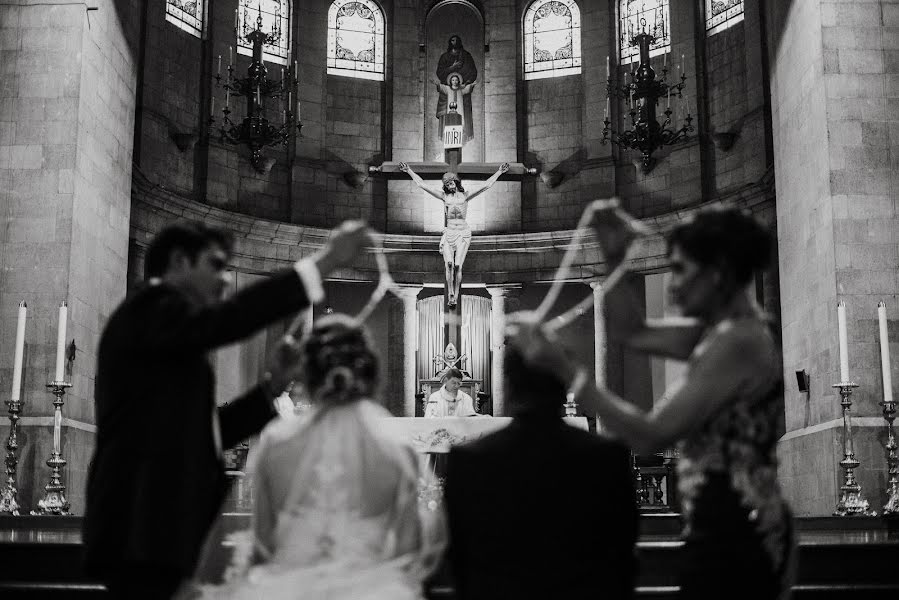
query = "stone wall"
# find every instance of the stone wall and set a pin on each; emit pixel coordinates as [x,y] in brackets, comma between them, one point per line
[835,138]
[66,130]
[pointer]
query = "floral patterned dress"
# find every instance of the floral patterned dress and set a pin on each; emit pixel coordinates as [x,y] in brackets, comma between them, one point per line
[738,530]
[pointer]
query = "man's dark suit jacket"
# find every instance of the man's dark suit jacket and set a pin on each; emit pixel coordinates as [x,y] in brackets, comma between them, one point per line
[156,480]
[540,509]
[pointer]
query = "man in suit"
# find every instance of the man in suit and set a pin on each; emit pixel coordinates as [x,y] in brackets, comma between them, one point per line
[540,509]
[157,476]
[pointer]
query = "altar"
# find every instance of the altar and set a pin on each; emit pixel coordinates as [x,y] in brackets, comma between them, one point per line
[437,436]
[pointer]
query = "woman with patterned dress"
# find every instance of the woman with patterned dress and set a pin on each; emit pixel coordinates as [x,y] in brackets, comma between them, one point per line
[337,514]
[722,414]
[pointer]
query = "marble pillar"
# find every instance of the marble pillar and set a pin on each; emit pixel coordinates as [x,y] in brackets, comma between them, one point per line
[599,334]
[498,305]
[409,297]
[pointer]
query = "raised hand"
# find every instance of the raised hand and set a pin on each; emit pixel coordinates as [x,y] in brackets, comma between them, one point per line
[404,167]
[504,168]
[614,229]
[346,243]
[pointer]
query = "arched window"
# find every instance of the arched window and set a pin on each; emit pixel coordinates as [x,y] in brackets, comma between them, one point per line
[552,39]
[721,14]
[356,39]
[643,16]
[274,16]
[186,15]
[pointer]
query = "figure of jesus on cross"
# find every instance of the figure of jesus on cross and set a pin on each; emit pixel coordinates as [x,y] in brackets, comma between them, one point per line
[457,234]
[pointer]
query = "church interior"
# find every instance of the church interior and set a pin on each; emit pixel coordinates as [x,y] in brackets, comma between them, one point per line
[279,119]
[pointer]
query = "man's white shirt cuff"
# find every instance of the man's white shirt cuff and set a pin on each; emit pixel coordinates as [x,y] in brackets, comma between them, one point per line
[311,278]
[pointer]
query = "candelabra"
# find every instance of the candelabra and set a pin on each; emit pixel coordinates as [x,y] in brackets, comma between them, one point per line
[8,503]
[255,130]
[892,505]
[852,502]
[643,93]
[54,501]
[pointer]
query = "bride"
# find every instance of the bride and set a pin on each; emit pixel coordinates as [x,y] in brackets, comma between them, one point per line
[336,512]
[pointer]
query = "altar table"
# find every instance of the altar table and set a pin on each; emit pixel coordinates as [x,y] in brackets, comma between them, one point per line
[438,435]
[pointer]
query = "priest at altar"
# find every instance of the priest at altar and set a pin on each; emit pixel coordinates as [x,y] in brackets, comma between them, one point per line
[450,400]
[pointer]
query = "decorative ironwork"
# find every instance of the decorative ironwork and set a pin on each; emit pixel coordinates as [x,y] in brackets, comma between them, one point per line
[643,17]
[270,15]
[256,131]
[54,501]
[186,15]
[356,39]
[552,39]
[643,93]
[721,14]
[852,502]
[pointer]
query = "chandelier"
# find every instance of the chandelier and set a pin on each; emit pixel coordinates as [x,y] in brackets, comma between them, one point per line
[643,93]
[255,130]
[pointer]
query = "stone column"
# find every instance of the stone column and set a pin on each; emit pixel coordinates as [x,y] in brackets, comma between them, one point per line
[599,334]
[409,296]
[498,297]
[599,339]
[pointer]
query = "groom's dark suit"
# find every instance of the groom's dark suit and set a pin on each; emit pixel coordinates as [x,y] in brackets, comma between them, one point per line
[541,510]
[157,478]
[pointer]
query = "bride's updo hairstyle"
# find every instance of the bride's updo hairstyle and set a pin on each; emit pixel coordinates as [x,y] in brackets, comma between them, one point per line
[337,361]
[730,240]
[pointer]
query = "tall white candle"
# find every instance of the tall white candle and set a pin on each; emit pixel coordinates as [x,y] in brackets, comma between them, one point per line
[885,353]
[608,73]
[61,342]
[844,342]
[19,353]
[220,64]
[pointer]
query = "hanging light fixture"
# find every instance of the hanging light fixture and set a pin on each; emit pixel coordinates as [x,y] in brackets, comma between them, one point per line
[643,93]
[256,130]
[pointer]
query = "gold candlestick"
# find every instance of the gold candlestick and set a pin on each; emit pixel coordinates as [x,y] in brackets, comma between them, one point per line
[852,502]
[892,505]
[8,503]
[54,501]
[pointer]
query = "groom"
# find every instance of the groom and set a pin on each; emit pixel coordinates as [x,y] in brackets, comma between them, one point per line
[157,478]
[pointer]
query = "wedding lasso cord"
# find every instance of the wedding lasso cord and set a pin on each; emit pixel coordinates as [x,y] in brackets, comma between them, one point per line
[614,277]
[385,284]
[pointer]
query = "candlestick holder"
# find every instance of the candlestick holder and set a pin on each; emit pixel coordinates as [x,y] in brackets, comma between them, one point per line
[852,502]
[891,508]
[570,405]
[54,501]
[8,500]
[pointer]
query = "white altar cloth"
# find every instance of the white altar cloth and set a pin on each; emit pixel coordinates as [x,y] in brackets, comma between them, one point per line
[438,435]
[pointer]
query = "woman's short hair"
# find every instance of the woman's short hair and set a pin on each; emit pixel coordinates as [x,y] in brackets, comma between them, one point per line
[338,363]
[727,238]
[190,237]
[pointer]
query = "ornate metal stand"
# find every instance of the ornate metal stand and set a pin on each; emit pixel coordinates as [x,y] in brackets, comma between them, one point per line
[8,503]
[54,501]
[891,508]
[570,406]
[852,503]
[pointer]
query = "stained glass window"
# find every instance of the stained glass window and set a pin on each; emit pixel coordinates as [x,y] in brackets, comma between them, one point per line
[552,39]
[356,39]
[721,14]
[643,16]
[273,16]
[186,14]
